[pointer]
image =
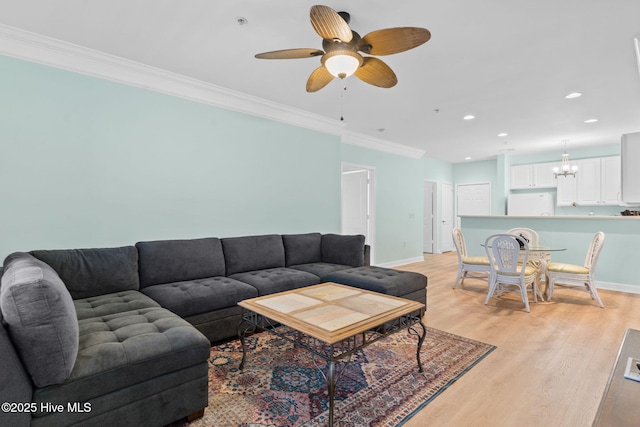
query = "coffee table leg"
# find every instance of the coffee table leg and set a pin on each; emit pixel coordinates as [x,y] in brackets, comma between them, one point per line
[331,388]
[241,334]
[421,336]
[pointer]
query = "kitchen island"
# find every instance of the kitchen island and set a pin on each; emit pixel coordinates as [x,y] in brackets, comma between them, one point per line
[619,262]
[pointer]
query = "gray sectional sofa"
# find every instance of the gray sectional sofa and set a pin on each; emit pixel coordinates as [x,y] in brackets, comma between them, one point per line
[121,336]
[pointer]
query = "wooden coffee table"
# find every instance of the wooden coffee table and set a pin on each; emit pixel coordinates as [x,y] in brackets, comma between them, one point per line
[332,322]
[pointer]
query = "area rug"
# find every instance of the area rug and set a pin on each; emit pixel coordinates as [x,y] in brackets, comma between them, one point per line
[280,385]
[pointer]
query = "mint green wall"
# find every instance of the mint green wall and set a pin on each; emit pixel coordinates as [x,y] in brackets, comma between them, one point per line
[398,193]
[91,163]
[618,262]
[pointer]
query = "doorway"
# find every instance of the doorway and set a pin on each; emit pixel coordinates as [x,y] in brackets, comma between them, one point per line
[358,205]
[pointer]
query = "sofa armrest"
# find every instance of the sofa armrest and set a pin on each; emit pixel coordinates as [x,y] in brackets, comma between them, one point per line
[367,255]
[15,383]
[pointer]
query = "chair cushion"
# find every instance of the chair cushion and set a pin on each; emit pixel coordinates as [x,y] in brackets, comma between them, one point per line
[41,318]
[192,297]
[302,248]
[560,267]
[475,260]
[91,272]
[168,261]
[528,271]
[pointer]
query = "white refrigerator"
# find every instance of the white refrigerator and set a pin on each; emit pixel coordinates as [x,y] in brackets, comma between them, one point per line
[530,204]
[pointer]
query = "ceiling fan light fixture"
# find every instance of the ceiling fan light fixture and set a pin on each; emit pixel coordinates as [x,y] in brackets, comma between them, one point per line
[342,63]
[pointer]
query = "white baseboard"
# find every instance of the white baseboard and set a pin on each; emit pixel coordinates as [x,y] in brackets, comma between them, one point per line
[619,287]
[392,264]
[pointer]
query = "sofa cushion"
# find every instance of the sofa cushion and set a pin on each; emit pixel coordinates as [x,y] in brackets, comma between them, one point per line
[274,280]
[320,269]
[302,248]
[383,280]
[193,297]
[118,302]
[347,250]
[41,318]
[169,261]
[250,253]
[124,349]
[90,272]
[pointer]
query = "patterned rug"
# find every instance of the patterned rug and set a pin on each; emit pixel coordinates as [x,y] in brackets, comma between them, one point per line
[280,385]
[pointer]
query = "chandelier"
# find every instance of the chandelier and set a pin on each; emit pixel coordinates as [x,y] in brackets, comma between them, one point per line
[566,169]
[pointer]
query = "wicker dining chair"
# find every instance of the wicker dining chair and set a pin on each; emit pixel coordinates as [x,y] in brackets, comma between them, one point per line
[578,277]
[507,273]
[467,264]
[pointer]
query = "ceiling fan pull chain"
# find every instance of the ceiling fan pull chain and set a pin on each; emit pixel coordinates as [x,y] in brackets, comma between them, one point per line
[344,89]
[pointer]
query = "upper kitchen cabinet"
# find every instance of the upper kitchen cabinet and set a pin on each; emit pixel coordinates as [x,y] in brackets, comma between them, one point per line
[539,175]
[597,183]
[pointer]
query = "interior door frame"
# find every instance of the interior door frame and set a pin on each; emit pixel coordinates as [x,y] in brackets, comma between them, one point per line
[449,238]
[371,238]
[432,186]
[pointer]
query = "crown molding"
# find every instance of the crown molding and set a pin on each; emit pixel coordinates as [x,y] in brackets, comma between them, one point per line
[361,140]
[32,47]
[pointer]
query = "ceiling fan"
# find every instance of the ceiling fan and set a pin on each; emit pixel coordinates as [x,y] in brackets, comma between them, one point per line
[341,57]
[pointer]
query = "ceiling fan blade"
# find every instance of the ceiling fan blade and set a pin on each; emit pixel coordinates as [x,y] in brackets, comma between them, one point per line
[329,25]
[377,73]
[393,40]
[290,54]
[318,79]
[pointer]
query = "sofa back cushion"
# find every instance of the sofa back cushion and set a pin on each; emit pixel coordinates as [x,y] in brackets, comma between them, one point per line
[169,261]
[253,253]
[41,318]
[345,250]
[91,272]
[302,248]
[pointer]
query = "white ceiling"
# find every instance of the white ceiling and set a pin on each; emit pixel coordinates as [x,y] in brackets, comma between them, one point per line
[508,62]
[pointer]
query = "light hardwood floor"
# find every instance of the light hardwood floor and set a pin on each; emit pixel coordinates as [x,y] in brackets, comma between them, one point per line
[550,367]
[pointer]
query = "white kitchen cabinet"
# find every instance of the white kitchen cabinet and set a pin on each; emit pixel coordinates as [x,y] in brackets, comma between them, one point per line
[588,182]
[610,174]
[596,184]
[567,190]
[539,175]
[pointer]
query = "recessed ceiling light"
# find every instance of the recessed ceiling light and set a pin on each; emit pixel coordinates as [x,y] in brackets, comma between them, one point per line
[467,158]
[591,120]
[503,134]
[469,117]
[573,95]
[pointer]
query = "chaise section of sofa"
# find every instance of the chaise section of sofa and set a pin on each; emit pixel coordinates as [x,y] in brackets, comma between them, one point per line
[114,358]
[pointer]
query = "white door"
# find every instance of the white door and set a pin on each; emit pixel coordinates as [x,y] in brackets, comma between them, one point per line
[355,202]
[447,217]
[429,243]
